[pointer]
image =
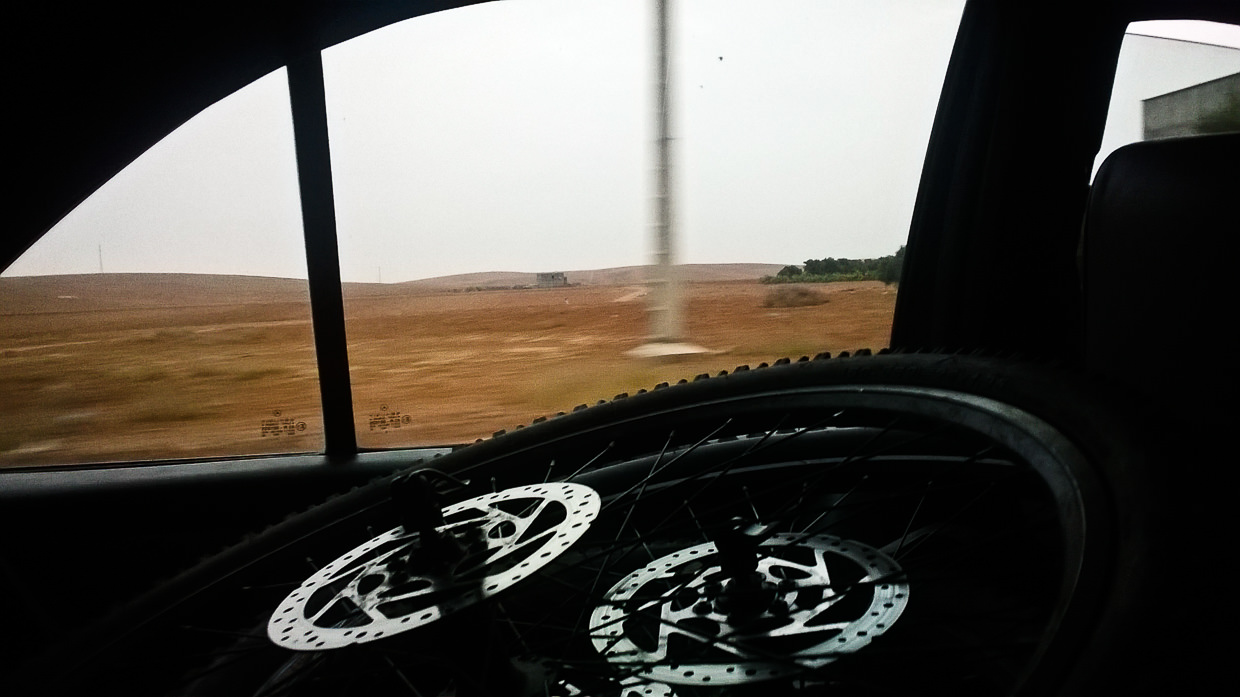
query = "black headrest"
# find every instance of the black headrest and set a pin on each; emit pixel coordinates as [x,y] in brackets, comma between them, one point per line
[1159,268]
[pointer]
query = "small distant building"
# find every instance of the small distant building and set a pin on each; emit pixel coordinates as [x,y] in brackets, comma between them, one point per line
[1210,107]
[554,279]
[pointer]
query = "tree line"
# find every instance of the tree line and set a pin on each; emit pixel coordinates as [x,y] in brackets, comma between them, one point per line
[885,269]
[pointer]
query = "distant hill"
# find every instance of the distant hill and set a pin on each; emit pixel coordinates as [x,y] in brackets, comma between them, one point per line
[618,276]
[91,292]
[111,291]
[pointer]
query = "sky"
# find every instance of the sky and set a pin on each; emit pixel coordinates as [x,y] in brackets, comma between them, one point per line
[519,136]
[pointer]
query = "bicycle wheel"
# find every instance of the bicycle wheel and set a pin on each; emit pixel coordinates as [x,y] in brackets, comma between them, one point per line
[876,525]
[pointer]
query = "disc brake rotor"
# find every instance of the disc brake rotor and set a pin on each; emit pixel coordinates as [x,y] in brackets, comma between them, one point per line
[681,621]
[390,584]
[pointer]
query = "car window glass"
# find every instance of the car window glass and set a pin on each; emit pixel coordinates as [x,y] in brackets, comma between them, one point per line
[492,171]
[1174,78]
[167,316]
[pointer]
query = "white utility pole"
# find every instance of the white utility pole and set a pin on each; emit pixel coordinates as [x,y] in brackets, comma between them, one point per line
[665,318]
[667,333]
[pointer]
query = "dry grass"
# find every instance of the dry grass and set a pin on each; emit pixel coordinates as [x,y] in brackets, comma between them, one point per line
[241,378]
[794,296]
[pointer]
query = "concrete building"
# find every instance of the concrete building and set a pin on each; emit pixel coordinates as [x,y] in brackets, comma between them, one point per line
[554,279]
[1210,107]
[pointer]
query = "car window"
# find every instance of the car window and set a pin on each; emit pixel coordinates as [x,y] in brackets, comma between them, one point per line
[167,316]
[1174,79]
[492,170]
[493,173]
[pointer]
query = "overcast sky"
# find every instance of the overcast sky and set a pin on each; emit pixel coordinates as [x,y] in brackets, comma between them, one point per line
[519,136]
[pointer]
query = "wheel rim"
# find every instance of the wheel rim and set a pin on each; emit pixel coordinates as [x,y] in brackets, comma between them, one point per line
[971,511]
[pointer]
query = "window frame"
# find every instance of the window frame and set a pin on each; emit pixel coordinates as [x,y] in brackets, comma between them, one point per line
[86,537]
[928,312]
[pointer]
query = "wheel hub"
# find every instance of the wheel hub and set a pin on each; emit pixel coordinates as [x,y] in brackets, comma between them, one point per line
[681,620]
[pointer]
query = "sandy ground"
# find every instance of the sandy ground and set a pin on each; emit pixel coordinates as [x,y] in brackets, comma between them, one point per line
[428,367]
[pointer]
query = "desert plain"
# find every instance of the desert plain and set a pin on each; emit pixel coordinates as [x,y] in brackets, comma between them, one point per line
[121,367]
